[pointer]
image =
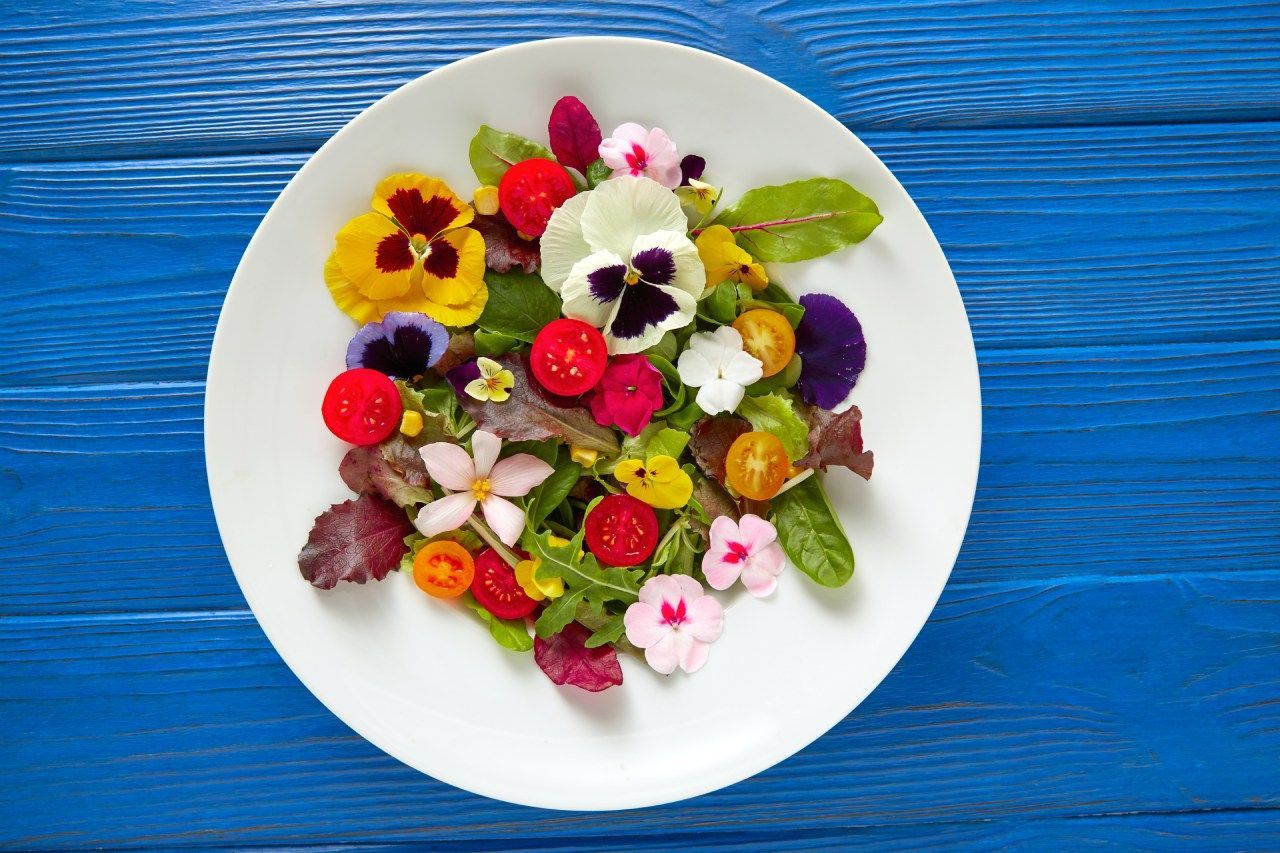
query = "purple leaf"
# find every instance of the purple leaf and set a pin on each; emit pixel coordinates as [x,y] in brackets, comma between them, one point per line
[565,658]
[355,541]
[709,442]
[832,350]
[394,470]
[503,247]
[837,440]
[574,133]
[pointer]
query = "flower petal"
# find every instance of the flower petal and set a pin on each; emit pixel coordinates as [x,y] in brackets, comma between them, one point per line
[645,625]
[448,513]
[514,476]
[485,447]
[659,589]
[755,533]
[721,573]
[420,203]
[694,369]
[621,210]
[589,281]
[693,654]
[562,244]
[375,256]
[704,619]
[719,396]
[685,267]
[760,573]
[664,655]
[506,519]
[689,588]
[662,469]
[345,295]
[643,302]
[449,465]
[453,268]
[743,368]
[628,470]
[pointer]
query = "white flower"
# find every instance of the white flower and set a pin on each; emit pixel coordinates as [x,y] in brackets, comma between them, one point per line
[719,368]
[634,151]
[620,260]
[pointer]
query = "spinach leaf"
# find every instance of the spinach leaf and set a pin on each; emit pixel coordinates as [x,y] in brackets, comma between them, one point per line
[800,220]
[494,344]
[519,306]
[509,633]
[549,494]
[721,304]
[811,535]
[492,152]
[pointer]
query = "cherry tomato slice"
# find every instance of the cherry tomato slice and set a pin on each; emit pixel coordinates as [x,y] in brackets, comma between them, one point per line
[443,569]
[768,336]
[497,589]
[530,190]
[757,465]
[622,531]
[568,357]
[362,406]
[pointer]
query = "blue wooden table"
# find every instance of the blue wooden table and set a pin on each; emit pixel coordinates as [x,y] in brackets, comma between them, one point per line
[1103,668]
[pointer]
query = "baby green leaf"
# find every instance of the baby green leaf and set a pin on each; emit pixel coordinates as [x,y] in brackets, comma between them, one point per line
[775,414]
[509,633]
[597,174]
[583,576]
[811,534]
[800,220]
[667,442]
[492,152]
[519,306]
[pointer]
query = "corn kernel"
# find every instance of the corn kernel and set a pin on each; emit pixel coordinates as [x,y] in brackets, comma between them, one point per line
[486,200]
[584,456]
[411,423]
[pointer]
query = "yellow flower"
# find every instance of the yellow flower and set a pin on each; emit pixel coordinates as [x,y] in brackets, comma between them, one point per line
[726,261]
[659,482]
[702,197]
[494,382]
[537,588]
[412,253]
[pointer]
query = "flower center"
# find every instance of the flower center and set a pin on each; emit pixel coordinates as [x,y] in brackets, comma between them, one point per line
[638,159]
[481,489]
[737,553]
[632,276]
[419,243]
[673,616]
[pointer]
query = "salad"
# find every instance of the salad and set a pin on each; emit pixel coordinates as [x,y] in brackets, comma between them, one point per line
[579,404]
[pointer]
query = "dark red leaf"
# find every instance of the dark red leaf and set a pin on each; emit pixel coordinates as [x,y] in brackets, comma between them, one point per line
[355,541]
[393,469]
[565,658]
[575,135]
[837,440]
[709,442]
[713,498]
[504,248]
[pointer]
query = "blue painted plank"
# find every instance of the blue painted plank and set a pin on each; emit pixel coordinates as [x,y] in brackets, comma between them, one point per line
[1057,237]
[1097,461]
[127,78]
[1071,698]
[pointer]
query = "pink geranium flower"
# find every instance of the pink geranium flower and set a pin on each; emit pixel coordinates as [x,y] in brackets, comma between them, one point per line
[634,151]
[748,549]
[482,480]
[674,622]
[628,394]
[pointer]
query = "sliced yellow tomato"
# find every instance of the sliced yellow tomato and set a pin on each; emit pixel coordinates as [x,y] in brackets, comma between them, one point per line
[443,569]
[757,465]
[768,336]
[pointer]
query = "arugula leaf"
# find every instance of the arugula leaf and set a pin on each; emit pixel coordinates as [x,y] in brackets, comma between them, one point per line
[492,152]
[775,414]
[511,634]
[811,535]
[519,306]
[609,632]
[800,220]
[667,442]
[584,578]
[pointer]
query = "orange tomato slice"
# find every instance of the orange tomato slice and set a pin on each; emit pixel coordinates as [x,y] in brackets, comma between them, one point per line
[443,569]
[757,465]
[768,336]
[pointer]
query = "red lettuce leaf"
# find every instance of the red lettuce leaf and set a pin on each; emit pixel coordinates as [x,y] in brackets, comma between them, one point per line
[565,658]
[713,498]
[355,541]
[574,133]
[529,416]
[394,470]
[709,442]
[503,247]
[837,440]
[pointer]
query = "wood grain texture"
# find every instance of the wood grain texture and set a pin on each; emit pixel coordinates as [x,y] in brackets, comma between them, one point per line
[133,78]
[1052,699]
[1057,237]
[1096,462]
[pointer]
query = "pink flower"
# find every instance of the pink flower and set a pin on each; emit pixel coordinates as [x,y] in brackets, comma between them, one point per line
[628,394]
[748,549]
[634,151]
[674,622]
[483,481]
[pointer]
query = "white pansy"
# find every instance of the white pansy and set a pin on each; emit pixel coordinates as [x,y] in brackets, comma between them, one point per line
[716,364]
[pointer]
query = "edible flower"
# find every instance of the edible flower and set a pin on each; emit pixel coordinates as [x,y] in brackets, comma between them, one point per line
[483,480]
[402,346]
[628,394]
[832,350]
[691,167]
[674,622]
[701,197]
[619,258]
[660,481]
[634,151]
[493,384]
[725,260]
[539,589]
[748,549]
[412,253]
[716,364]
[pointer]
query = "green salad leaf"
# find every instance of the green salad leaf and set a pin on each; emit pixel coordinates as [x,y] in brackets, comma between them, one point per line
[800,220]
[511,634]
[551,492]
[585,580]
[610,631]
[811,535]
[597,174]
[667,442]
[494,344]
[492,152]
[775,414]
[519,306]
[720,305]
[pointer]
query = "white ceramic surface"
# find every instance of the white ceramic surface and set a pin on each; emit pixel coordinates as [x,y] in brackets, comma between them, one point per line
[424,682]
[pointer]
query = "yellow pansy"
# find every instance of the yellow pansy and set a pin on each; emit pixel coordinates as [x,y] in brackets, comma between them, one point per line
[412,253]
[726,261]
[537,588]
[660,482]
[701,197]
[494,382]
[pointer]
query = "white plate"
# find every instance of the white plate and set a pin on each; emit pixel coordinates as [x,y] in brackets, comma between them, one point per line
[424,682]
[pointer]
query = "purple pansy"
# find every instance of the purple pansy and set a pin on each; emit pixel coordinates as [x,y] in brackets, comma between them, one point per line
[461,375]
[691,168]
[402,346]
[832,349]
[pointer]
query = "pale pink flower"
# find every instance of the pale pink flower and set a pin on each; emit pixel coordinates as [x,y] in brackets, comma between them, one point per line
[634,151]
[674,622]
[748,549]
[484,481]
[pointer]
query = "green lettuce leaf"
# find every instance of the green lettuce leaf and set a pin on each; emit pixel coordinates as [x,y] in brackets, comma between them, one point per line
[492,152]
[811,535]
[511,634]
[800,220]
[519,306]
[666,442]
[775,414]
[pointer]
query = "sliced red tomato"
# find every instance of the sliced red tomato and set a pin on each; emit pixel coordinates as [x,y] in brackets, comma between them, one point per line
[496,588]
[568,357]
[768,336]
[530,190]
[362,406]
[443,569]
[757,465]
[622,531]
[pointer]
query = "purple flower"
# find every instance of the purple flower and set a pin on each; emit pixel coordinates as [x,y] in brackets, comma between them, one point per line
[466,372]
[691,168]
[831,348]
[402,346]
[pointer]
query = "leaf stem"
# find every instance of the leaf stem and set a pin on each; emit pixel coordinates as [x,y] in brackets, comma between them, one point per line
[491,539]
